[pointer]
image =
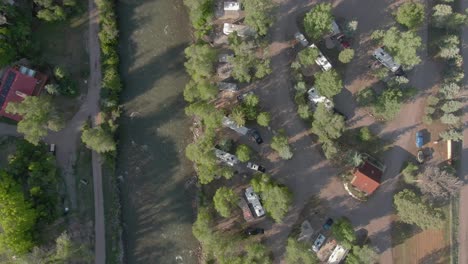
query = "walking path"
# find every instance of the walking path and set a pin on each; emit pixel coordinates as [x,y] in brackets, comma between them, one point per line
[308,174]
[463,213]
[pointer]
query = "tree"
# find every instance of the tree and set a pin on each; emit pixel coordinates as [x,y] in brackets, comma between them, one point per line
[243,153]
[38,116]
[257,253]
[450,90]
[98,139]
[346,55]
[330,149]
[449,47]
[264,119]
[327,125]
[280,144]
[403,46]
[318,21]
[298,253]
[7,54]
[200,13]
[303,110]
[328,83]
[224,201]
[413,210]
[343,231]
[365,135]
[308,56]
[276,199]
[444,17]
[238,116]
[388,104]
[439,184]
[257,15]
[17,217]
[357,159]
[451,106]
[362,255]
[200,60]
[450,119]
[452,134]
[203,90]
[410,14]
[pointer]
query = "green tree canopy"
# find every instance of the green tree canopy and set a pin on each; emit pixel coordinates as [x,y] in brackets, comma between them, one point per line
[343,231]
[346,55]
[403,46]
[328,83]
[308,56]
[225,199]
[388,104]
[413,210]
[99,139]
[362,255]
[276,199]
[327,125]
[280,144]
[200,61]
[264,119]
[243,153]
[410,14]
[38,116]
[318,21]
[299,253]
[257,15]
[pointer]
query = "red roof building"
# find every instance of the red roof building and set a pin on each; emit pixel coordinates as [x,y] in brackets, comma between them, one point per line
[16,84]
[367,177]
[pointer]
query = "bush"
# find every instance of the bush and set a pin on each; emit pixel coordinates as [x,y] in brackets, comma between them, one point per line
[432,100]
[303,110]
[243,153]
[365,135]
[346,55]
[98,139]
[450,119]
[318,21]
[410,14]
[366,97]
[409,173]
[280,144]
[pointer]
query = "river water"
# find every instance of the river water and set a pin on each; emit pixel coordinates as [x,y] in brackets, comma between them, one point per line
[157,210]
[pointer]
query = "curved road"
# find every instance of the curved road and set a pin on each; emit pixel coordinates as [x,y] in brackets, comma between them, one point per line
[308,173]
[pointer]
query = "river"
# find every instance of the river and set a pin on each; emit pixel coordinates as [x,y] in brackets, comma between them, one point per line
[157,210]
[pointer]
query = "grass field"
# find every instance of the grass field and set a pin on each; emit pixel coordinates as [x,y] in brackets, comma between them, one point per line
[65,44]
[412,245]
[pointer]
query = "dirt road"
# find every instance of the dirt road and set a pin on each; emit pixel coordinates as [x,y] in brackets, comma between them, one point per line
[308,173]
[463,214]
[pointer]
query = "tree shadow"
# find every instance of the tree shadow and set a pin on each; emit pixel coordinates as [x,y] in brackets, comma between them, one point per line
[438,256]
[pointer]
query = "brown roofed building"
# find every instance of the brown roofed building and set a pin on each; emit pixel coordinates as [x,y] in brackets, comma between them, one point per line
[367,177]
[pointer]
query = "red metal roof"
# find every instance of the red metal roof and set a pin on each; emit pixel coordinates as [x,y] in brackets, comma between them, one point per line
[13,82]
[367,177]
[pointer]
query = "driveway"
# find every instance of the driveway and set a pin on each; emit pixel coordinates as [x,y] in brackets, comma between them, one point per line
[8,130]
[308,173]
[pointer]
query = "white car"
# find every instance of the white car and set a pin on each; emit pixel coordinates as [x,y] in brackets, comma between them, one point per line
[318,242]
[321,60]
[255,167]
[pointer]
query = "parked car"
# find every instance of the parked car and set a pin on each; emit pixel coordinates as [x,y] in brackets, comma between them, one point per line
[419,139]
[300,37]
[255,167]
[256,136]
[328,224]
[254,231]
[318,242]
[52,148]
[341,38]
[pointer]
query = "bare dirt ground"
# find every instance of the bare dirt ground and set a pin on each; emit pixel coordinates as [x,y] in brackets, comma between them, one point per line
[463,214]
[433,250]
[308,173]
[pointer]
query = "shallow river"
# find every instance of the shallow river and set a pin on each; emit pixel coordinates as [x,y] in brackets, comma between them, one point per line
[157,209]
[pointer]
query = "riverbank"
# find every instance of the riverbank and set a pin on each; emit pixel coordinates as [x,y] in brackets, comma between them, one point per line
[157,209]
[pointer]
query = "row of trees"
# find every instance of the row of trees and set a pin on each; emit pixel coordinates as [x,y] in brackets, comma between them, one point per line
[28,195]
[445,106]
[64,85]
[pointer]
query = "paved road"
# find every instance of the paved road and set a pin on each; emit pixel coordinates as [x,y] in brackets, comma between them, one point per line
[463,214]
[308,173]
[8,130]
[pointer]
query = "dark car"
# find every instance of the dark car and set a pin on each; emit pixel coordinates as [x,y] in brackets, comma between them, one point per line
[254,231]
[256,136]
[328,224]
[343,41]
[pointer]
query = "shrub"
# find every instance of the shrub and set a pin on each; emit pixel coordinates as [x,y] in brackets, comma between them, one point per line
[346,55]
[303,110]
[365,135]
[280,144]
[427,119]
[225,199]
[450,119]
[263,119]
[409,173]
[328,83]
[451,106]
[308,56]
